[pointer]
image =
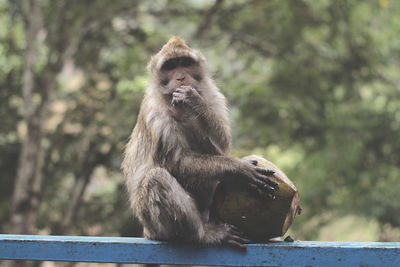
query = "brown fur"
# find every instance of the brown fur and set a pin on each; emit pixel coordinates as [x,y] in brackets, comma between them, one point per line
[177,154]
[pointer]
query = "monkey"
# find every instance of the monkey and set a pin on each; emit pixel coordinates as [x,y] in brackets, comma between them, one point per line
[177,153]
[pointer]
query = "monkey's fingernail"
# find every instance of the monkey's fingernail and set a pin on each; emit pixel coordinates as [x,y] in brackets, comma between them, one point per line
[273,183]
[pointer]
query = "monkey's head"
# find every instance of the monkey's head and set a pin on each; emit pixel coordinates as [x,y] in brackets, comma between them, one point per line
[175,65]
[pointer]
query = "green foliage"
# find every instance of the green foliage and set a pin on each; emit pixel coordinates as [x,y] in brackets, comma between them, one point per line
[312,85]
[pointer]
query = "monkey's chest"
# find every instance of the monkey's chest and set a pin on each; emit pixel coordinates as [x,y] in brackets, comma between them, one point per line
[201,143]
[194,132]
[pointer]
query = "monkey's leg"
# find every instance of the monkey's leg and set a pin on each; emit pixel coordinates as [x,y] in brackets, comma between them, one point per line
[169,213]
[166,210]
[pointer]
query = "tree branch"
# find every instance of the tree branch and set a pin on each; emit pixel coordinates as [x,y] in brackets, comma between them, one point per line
[207,19]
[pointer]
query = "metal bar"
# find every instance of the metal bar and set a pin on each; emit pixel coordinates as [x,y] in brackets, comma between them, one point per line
[140,250]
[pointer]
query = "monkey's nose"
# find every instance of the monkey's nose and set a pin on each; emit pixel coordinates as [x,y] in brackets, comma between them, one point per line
[181,78]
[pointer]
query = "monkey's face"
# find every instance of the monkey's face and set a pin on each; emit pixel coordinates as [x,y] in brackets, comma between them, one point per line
[180,71]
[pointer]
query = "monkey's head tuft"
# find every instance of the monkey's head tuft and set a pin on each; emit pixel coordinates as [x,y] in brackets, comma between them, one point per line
[174,48]
[176,42]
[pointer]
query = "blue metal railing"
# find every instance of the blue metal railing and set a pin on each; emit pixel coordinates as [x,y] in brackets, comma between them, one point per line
[140,250]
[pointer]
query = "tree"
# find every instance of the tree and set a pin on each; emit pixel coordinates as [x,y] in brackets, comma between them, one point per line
[311,86]
[63,29]
[25,197]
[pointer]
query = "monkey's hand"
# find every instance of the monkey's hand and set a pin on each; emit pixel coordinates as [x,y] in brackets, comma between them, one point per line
[258,179]
[186,95]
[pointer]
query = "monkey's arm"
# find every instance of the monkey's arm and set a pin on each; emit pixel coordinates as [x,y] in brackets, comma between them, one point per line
[195,170]
[213,125]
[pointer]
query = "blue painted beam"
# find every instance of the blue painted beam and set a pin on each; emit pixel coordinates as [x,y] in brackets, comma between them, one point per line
[140,250]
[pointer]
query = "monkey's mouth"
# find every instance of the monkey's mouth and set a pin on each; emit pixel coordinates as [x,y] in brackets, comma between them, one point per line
[170,91]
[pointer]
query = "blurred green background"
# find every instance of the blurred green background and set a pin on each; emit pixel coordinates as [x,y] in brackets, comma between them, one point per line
[313,86]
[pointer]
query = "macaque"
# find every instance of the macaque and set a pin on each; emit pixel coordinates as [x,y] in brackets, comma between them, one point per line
[177,153]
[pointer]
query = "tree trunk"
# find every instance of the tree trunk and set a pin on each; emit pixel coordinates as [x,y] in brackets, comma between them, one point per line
[90,160]
[25,197]
[79,188]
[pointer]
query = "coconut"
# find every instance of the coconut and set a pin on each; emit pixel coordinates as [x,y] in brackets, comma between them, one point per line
[257,217]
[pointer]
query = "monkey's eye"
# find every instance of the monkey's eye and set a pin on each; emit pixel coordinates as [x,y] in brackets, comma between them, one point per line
[164,82]
[170,64]
[187,62]
[197,76]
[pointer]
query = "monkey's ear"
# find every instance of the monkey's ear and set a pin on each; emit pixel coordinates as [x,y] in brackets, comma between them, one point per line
[150,65]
